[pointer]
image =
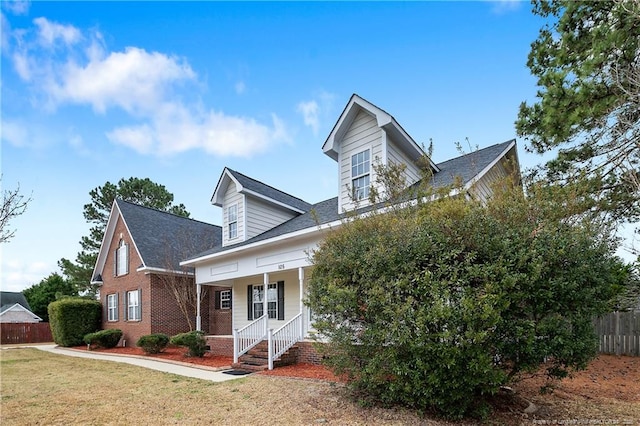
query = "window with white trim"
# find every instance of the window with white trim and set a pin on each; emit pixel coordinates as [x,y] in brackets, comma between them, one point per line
[122,259]
[272,301]
[360,175]
[133,306]
[112,307]
[225,299]
[232,218]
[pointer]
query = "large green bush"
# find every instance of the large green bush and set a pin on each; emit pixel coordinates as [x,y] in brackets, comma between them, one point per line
[104,338]
[194,340]
[153,343]
[437,306]
[71,319]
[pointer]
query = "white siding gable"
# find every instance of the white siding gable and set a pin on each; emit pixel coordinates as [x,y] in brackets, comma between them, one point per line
[396,156]
[363,134]
[483,188]
[262,216]
[232,197]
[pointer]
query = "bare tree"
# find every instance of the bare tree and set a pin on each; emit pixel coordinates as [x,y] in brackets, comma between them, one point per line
[179,280]
[13,205]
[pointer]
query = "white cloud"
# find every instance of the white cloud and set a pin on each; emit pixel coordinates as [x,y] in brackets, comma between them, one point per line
[176,129]
[153,88]
[50,32]
[309,111]
[505,6]
[316,111]
[17,275]
[15,133]
[240,87]
[17,7]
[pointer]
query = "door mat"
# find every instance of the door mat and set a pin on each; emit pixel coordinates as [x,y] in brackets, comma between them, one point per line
[237,372]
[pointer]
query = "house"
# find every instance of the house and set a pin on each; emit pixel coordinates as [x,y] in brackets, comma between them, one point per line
[267,235]
[15,308]
[138,272]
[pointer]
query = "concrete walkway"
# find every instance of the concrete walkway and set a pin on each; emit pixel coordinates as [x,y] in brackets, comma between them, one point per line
[166,367]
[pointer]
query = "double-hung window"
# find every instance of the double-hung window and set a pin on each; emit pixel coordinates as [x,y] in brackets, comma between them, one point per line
[133,306]
[360,175]
[225,299]
[232,218]
[272,301]
[121,264]
[112,307]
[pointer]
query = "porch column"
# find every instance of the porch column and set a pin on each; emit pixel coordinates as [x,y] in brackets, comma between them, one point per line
[198,317]
[301,283]
[265,305]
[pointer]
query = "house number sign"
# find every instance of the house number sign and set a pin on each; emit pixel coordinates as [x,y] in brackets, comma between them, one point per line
[281,266]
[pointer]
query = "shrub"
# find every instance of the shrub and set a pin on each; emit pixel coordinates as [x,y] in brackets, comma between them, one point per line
[194,340]
[104,338]
[153,343]
[71,319]
[437,306]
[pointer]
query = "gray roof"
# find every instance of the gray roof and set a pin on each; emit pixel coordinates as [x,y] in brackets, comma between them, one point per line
[270,192]
[10,298]
[466,167]
[164,239]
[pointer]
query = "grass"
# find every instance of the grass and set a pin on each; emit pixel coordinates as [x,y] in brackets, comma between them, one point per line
[43,388]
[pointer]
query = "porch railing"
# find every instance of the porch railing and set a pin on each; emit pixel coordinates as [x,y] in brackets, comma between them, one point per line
[249,336]
[284,338]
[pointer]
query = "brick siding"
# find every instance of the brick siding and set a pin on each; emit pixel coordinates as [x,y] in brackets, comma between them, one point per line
[220,345]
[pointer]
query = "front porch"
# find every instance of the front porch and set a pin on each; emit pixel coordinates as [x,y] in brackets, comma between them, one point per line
[274,322]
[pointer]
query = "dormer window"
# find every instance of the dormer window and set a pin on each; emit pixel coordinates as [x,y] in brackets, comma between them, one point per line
[121,259]
[360,177]
[232,218]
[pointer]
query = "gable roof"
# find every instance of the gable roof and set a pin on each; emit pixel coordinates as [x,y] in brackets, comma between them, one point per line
[245,184]
[162,239]
[17,307]
[10,298]
[468,168]
[384,121]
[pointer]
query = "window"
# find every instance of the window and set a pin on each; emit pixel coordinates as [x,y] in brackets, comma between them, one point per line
[275,301]
[360,165]
[133,306]
[121,259]
[225,299]
[232,217]
[112,307]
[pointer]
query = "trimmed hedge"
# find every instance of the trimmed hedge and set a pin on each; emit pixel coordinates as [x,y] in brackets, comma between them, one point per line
[194,340]
[153,343]
[104,338]
[71,319]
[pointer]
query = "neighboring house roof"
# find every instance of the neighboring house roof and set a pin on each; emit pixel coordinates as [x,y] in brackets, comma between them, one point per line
[162,239]
[15,302]
[7,310]
[468,168]
[245,184]
[10,298]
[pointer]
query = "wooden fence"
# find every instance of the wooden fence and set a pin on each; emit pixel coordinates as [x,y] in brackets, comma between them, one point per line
[619,333]
[24,332]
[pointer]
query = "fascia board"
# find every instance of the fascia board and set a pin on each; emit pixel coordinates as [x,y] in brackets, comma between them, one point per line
[150,270]
[484,171]
[108,235]
[218,195]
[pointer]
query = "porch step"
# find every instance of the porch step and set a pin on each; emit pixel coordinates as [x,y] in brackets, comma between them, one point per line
[257,358]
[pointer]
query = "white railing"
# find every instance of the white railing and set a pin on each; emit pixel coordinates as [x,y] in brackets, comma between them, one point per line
[249,336]
[283,338]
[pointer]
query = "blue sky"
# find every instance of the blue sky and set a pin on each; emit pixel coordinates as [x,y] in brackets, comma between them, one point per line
[94,92]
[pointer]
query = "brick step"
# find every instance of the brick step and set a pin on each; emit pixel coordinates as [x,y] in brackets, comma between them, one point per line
[249,367]
[257,358]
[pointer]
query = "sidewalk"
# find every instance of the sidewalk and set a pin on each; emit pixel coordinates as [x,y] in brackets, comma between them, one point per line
[166,367]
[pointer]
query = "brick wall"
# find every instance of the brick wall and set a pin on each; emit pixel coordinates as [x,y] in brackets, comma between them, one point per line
[132,330]
[307,353]
[166,315]
[220,345]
